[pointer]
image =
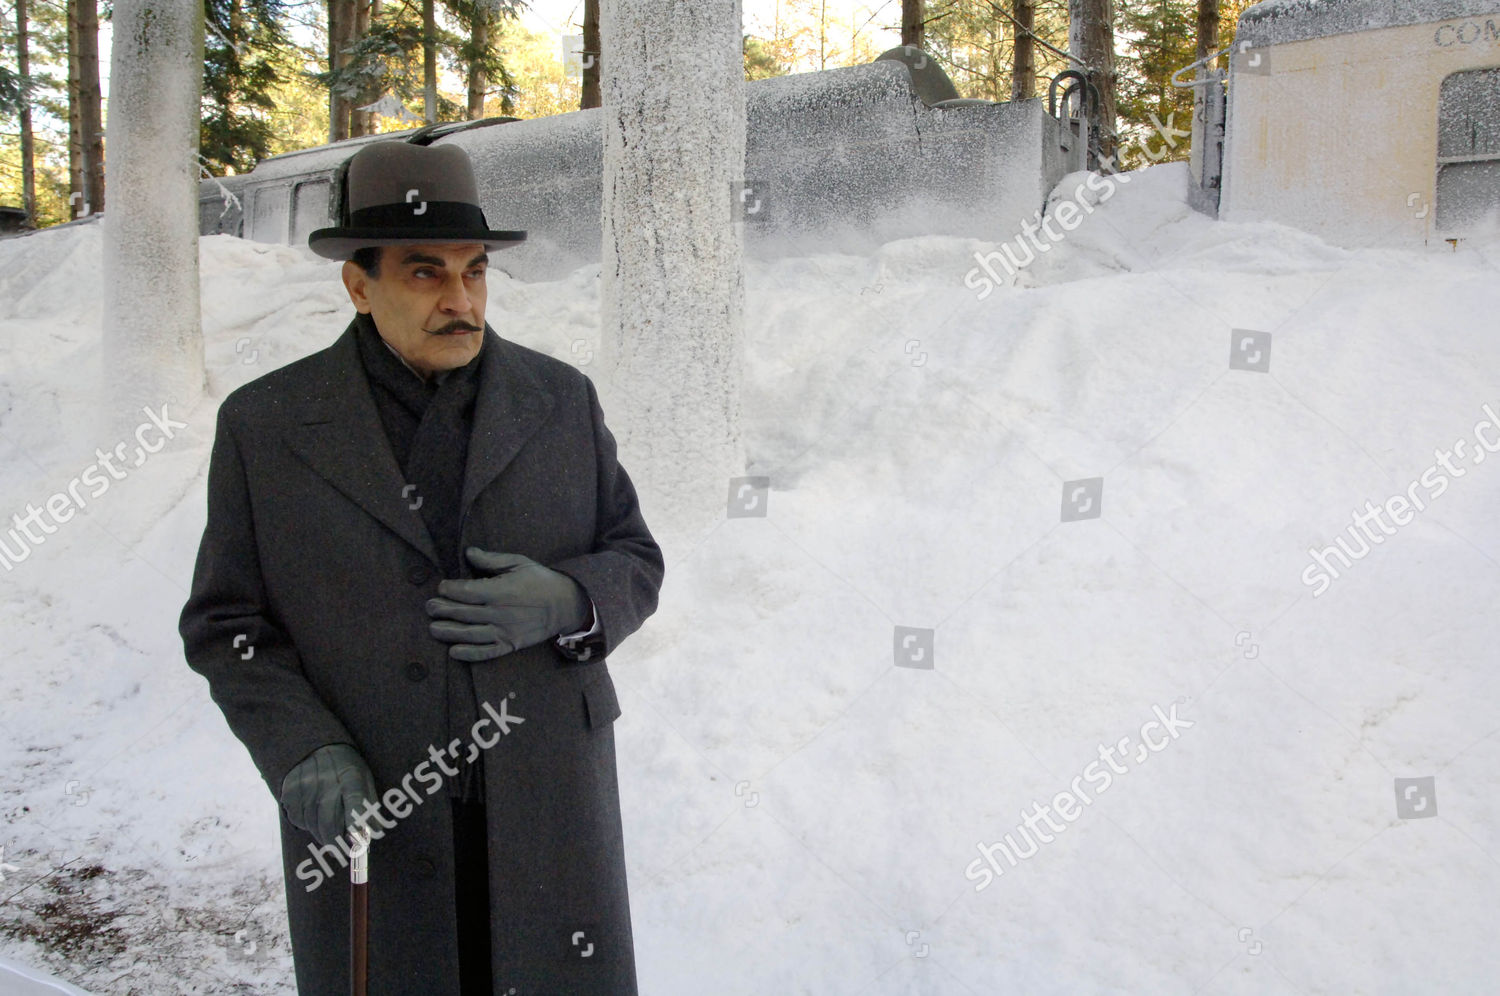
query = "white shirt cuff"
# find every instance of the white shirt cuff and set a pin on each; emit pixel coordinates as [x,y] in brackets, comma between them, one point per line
[570,638]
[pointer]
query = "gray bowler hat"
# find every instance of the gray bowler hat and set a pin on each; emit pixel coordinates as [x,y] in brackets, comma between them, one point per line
[397,193]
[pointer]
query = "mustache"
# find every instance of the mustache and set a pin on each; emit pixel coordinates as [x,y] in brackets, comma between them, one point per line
[457,325]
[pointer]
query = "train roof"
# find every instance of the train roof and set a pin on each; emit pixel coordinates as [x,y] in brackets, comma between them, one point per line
[319,157]
[851,85]
[1275,22]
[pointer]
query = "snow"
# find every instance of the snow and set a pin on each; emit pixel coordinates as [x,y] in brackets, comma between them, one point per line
[801,814]
[19,980]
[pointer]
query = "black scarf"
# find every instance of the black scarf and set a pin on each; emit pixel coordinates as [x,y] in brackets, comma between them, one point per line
[428,424]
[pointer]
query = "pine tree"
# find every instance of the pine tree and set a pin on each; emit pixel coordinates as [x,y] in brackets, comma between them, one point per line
[484,69]
[45,97]
[240,76]
[975,43]
[1160,38]
[391,57]
[760,61]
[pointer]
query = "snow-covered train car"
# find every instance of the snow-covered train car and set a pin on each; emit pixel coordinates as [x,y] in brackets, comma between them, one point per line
[841,159]
[1366,121]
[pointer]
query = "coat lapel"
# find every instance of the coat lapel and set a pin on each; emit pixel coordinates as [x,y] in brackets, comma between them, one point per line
[340,435]
[511,405]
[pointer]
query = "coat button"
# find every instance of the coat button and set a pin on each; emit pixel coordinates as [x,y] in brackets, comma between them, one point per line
[416,671]
[417,574]
[425,868]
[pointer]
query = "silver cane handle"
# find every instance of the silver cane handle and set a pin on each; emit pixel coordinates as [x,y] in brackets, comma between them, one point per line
[359,855]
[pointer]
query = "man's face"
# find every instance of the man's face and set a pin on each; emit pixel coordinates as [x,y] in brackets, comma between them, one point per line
[427,301]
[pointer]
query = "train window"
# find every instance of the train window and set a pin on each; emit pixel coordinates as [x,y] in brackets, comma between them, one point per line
[214,217]
[1468,170]
[309,209]
[268,213]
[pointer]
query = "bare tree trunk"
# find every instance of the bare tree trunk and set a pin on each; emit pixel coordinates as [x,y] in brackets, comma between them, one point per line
[672,268]
[1023,66]
[913,16]
[1091,38]
[152,349]
[1206,153]
[363,122]
[340,36]
[590,54]
[1208,27]
[28,154]
[822,36]
[333,63]
[429,62]
[75,130]
[479,40]
[90,118]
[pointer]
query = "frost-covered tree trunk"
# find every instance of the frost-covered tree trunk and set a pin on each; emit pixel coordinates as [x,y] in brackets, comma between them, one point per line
[153,339]
[672,274]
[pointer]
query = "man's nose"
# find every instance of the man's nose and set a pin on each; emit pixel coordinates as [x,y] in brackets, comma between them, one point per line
[454,299]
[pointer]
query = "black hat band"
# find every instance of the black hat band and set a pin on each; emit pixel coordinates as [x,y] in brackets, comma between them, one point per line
[455,216]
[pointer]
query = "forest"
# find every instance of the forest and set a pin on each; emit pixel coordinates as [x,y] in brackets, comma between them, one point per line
[280,75]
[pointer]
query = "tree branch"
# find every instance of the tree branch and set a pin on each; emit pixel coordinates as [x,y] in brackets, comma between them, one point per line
[1035,37]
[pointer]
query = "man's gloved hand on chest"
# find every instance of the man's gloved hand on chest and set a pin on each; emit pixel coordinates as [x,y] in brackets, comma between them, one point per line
[519,604]
[326,790]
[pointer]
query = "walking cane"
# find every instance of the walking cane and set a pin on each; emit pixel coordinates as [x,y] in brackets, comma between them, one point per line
[359,909]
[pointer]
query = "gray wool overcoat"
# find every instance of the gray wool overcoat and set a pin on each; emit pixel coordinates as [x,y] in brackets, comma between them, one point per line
[307,618]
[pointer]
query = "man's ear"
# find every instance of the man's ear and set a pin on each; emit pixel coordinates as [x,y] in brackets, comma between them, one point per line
[356,283]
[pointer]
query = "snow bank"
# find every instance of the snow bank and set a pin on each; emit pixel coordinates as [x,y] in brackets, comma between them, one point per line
[843,705]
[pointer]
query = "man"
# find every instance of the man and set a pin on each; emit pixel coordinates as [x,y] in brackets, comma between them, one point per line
[420,549]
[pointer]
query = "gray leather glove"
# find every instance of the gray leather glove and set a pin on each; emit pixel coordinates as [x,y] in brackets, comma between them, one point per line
[326,789]
[520,604]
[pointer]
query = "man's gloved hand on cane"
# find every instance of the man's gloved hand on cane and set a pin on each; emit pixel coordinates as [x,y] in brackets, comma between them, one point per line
[326,789]
[520,604]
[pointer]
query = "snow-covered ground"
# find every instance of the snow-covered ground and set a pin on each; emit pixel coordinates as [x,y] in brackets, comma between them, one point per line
[805,811]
